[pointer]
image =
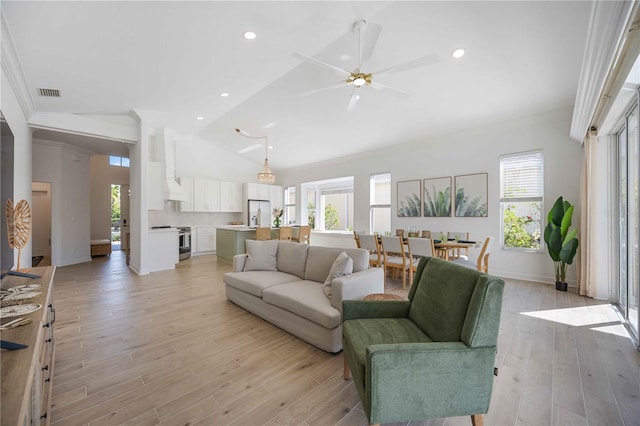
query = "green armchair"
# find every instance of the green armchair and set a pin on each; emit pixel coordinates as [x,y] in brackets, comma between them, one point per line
[431,356]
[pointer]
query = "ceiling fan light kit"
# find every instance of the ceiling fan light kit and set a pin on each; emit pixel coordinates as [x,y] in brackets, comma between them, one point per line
[265,176]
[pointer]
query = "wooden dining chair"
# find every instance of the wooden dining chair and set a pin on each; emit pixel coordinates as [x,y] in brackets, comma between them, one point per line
[464,236]
[482,263]
[285,233]
[356,238]
[370,242]
[418,248]
[394,257]
[425,234]
[304,233]
[399,232]
[263,234]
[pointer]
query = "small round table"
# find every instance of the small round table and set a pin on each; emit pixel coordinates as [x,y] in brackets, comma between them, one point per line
[382,296]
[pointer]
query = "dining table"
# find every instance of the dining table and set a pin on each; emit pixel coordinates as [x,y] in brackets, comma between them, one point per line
[451,249]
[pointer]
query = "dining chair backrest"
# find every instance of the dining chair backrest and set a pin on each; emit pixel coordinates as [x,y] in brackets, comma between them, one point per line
[458,235]
[286,232]
[356,238]
[369,242]
[420,247]
[399,232]
[483,257]
[304,233]
[392,245]
[425,234]
[263,233]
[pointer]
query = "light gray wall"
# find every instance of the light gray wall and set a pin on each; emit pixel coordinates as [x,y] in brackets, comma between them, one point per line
[102,177]
[470,151]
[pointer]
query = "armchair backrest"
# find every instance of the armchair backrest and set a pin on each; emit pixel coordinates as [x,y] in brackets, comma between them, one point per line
[451,303]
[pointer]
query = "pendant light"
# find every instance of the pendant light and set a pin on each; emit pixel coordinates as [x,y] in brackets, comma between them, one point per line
[265,176]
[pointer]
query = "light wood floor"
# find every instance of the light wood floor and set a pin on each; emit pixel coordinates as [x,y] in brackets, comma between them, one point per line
[168,348]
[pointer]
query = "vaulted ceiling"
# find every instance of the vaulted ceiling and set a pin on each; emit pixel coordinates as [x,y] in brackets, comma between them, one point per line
[174,59]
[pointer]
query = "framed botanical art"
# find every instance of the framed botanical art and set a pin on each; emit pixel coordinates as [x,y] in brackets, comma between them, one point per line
[409,198]
[437,197]
[471,195]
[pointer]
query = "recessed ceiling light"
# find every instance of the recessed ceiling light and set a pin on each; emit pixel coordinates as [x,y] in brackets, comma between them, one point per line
[458,53]
[224,94]
[249,35]
[200,118]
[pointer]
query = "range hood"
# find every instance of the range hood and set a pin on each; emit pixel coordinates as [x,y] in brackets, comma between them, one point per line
[165,153]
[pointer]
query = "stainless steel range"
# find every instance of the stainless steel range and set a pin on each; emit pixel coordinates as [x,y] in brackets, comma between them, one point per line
[184,239]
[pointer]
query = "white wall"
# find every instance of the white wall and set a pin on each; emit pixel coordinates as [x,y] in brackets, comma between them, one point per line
[102,176]
[470,151]
[17,121]
[67,169]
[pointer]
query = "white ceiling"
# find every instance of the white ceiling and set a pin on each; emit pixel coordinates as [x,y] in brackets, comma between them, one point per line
[174,58]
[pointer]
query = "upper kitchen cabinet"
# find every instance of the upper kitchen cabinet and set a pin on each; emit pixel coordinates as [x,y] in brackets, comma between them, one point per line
[231,197]
[187,184]
[206,195]
[257,191]
[275,196]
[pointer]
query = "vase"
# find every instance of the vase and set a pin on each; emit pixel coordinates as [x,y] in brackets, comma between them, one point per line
[276,222]
[561,286]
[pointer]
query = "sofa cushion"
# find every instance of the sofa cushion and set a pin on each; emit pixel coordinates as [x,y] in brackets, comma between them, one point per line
[441,300]
[320,259]
[343,265]
[292,257]
[254,282]
[304,298]
[261,255]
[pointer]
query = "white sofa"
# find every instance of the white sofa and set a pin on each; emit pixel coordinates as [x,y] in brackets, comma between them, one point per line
[284,283]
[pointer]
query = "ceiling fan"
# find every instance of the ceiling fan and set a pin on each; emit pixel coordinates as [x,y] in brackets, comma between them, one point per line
[368,34]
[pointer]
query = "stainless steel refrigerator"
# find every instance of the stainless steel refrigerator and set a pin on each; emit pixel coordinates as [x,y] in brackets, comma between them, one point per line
[259,213]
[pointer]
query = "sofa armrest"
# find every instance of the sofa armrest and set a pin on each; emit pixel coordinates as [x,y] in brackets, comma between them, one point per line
[434,373]
[239,261]
[367,309]
[356,286]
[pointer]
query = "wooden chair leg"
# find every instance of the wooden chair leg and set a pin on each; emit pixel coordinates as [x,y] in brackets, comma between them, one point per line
[347,372]
[476,419]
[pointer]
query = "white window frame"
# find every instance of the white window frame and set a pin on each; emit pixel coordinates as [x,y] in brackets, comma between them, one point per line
[531,198]
[373,205]
[287,203]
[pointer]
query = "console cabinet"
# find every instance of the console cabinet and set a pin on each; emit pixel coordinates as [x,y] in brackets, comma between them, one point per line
[27,373]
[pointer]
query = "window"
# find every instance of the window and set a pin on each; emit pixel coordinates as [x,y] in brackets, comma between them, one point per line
[380,200]
[521,200]
[329,203]
[290,204]
[114,160]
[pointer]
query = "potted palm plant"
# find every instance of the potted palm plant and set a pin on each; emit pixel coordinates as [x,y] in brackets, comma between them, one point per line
[561,242]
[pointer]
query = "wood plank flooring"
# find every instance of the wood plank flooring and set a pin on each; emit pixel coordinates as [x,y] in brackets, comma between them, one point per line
[169,349]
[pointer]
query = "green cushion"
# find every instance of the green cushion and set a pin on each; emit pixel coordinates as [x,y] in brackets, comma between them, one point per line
[441,299]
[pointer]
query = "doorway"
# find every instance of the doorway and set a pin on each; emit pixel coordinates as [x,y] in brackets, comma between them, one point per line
[119,216]
[41,223]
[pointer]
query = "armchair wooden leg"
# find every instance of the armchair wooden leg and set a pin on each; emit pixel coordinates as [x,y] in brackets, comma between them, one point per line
[347,372]
[476,419]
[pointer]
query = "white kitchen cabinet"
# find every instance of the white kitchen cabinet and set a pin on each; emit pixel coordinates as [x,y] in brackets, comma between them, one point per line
[187,184]
[155,199]
[257,191]
[231,197]
[205,240]
[275,196]
[206,195]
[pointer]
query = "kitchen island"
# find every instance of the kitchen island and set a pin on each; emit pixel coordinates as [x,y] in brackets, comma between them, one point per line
[230,241]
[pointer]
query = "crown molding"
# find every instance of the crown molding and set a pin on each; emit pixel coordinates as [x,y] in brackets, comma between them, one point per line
[12,69]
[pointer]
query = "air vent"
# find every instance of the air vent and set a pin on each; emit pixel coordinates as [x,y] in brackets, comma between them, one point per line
[50,93]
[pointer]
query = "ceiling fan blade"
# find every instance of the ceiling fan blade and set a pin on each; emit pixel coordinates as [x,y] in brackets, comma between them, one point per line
[397,92]
[367,45]
[353,99]
[339,70]
[416,63]
[335,86]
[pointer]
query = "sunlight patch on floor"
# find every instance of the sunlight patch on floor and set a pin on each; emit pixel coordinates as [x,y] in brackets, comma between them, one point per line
[615,329]
[578,316]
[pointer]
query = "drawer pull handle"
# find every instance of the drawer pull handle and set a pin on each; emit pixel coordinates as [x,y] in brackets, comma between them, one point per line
[53,311]
[44,416]
[46,367]
[48,340]
[46,325]
[48,379]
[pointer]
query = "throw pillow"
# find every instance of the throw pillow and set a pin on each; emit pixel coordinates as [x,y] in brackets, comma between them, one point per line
[261,255]
[343,265]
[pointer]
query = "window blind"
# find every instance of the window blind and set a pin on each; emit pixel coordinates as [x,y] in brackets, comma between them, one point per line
[522,176]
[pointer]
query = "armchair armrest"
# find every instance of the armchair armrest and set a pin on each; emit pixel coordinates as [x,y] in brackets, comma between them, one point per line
[355,286]
[364,309]
[239,261]
[428,378]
